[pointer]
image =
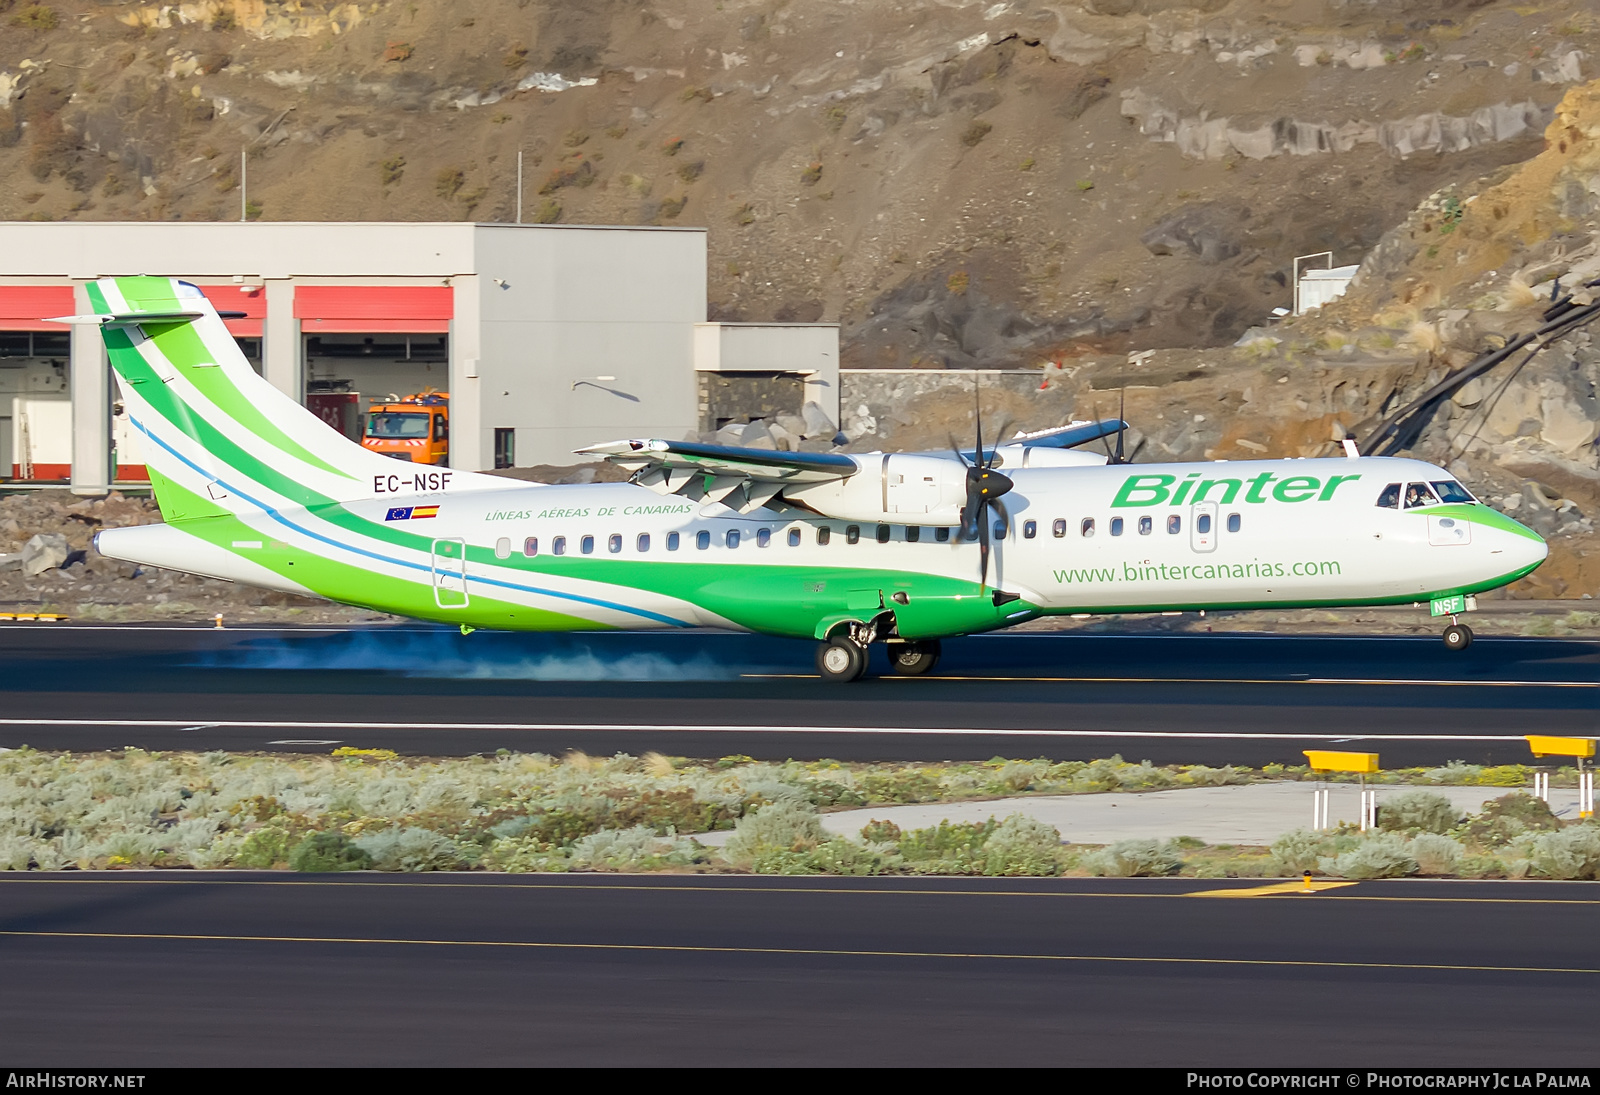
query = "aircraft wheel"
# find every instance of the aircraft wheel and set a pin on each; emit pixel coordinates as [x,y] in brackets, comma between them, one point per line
[913,659]
[1458,636]
[841,660]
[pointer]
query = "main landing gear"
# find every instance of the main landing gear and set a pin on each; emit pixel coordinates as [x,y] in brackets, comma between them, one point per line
[1457,636]
[843,658]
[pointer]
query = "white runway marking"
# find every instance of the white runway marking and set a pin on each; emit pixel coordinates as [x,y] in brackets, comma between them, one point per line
[270,724]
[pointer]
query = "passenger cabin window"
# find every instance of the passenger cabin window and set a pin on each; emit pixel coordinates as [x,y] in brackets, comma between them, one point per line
[852,534]
[586,545]
[763,537]
[1419,495]
[794,537]
[942,535]
[530,546]
[1030,529]
[672,541]
[614,543]
[502,548]
[824,534]
[913,534]
[1116,526]
[1390,498]
[1202,524]
[883,534]
[1233,522]
[1000,530]
[558,546]
[1086,527]
[1451,491]
[733,538]
[702,540]
[644,542]
[1058,527]
[1145,525]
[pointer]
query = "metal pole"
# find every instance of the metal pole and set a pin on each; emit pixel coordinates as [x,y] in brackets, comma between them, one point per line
[244,198]
[519,186]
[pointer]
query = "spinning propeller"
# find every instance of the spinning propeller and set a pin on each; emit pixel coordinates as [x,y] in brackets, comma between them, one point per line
[984,488]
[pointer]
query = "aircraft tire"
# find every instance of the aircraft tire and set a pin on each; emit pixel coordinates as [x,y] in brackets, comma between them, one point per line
[841,660]
[1458,636]
[913,659]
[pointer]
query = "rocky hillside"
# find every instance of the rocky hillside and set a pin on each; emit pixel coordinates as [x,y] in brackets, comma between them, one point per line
[960,183]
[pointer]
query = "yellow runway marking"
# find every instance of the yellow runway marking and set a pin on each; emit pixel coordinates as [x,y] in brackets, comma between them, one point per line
[1274,888]
[220,879]
[807,952]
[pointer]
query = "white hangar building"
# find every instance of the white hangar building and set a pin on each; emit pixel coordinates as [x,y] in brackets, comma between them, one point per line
[547,337]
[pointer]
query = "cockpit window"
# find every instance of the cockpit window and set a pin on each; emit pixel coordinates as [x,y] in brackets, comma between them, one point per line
[1390,498]
[1418,495]
[1451,491]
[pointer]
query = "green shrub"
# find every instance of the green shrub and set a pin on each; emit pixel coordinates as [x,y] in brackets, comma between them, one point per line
[960,841]
[880,832]
[1298,851]
[905,785]
[1385,855]
[409,849]
[780,827]
[328,851]
[1417,811]
[16,853]
[1133,859]
[391,171]
[262,849]
[36,17]
[1436,854]
[521,855]
[674,808]
[633,849]
[448,181]
[1022,846]
[1504,819]
[1573,852]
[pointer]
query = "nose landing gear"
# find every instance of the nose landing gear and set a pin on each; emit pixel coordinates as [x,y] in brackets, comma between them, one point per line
[1457,636]
[909,659]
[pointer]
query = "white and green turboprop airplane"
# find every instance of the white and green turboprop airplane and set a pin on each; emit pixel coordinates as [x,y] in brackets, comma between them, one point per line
[846,550]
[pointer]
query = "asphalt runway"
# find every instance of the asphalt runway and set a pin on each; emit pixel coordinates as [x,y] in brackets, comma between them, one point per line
[1186,698]
[139,969]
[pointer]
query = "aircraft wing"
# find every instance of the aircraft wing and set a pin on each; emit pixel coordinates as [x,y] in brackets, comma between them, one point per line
[1061,437]
[715,472]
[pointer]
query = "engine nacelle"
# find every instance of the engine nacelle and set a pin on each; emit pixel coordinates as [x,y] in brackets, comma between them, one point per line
[902,488]
[1013,457]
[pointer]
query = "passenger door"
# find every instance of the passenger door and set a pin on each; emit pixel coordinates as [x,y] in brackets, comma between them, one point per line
[1203,526]
[450,573]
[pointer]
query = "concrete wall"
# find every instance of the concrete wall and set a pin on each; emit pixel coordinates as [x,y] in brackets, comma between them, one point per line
[561,307]
[809,349]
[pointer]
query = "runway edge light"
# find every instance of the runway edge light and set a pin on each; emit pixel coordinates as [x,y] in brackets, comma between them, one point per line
[1327,760]
[1544,746]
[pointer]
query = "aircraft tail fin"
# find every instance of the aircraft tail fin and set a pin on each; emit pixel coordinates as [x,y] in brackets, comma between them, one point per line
[216,436]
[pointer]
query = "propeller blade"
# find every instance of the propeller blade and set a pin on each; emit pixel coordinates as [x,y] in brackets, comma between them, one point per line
[1122,404]
[983,546]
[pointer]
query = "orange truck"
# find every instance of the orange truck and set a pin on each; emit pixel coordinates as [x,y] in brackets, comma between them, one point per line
[414,428]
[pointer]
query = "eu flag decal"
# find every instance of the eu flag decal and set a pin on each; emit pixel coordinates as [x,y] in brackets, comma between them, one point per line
[411,513]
